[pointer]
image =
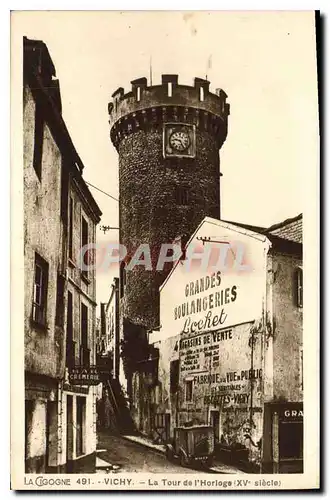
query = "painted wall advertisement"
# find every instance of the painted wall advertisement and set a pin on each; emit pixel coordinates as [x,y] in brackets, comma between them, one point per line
[207,292]
[216,314]
[225,372]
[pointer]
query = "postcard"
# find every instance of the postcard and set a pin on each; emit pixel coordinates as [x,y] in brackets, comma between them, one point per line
[165,234]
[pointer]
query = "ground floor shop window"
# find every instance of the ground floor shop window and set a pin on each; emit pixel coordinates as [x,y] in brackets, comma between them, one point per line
[291,440]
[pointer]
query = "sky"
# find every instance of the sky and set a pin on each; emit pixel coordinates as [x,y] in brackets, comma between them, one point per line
[264,61]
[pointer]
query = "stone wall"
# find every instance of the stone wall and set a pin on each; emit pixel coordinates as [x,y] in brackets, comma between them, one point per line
[149,212]
[288,329]
[42,234]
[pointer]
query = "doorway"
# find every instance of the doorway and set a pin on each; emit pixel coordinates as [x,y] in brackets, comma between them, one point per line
[80,426]
[29,405]
[69,429]
[215,423]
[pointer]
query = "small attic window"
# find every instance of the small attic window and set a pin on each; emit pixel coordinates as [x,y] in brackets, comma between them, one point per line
[201,93]
[138,93]
[169,89]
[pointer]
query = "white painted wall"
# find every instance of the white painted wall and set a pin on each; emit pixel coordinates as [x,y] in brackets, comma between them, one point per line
[250,283]
[89,428]
[36,443]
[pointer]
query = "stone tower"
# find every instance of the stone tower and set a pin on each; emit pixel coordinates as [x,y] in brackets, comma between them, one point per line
[168,139]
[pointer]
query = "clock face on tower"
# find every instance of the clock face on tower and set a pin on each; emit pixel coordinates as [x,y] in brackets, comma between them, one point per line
[179,140]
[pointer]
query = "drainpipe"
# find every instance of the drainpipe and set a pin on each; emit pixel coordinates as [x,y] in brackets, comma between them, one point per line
[262,351]
[251,380]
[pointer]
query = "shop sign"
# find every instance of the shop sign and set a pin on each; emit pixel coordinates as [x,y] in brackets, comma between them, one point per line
[80,375]
[291,412]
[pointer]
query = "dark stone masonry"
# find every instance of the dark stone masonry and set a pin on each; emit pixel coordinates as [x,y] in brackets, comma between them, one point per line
[164,198]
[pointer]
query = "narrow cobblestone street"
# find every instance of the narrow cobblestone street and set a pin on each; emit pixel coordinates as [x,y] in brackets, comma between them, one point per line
[133,457]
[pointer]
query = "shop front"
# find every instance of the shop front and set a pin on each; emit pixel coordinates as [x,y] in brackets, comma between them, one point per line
[78,421]
[41,416]
[284,436]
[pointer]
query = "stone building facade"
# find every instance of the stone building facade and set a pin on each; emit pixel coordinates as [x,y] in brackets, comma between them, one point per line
[44,257]
[78,408]
[109,338]
[52,177]
[168,139]
[230,350]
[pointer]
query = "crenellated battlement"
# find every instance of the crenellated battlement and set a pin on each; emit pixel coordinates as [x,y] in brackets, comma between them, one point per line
[168,101]
[169,93]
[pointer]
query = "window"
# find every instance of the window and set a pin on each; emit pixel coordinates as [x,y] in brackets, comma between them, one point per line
[39,305]
[38,140]
[69,326]
[84,351]
[291,440]
[299,286]
[59,318]
[182,196]
[70,344]
[189,390]
[84,325]
[84,241]
[138,93]
[159,420]
[70,228]
[201,93]
[169,89]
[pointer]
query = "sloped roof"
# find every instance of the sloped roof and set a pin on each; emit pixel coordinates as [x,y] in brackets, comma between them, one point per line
[290,229]
[279,243]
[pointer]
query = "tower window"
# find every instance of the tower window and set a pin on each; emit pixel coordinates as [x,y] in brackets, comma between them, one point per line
[138,93]
[182,196]
[169,89]
[201,93]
